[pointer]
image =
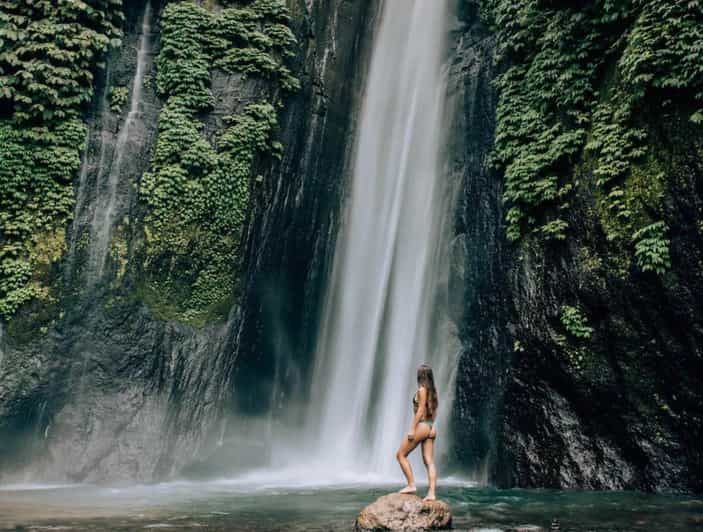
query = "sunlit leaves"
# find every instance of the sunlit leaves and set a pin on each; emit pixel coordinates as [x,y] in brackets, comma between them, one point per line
[575,323]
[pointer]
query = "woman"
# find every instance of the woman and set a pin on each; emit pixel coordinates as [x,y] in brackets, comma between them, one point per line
[422,431]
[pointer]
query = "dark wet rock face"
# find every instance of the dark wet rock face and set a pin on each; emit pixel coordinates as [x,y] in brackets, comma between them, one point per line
[292,239]
[97,387]
[404,512]
[477,251]
[529,411]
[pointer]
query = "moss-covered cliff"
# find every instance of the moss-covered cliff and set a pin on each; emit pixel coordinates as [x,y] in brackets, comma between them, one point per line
[132,233]
[584,322]
[48,59]
[170,186]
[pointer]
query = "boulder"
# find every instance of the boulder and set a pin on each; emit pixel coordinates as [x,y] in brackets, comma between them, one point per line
[404,512]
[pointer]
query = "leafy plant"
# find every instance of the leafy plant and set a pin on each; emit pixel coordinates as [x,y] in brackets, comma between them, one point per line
[575,78]
[197,192]
[118,98]
[652,248]
[575,322]
[48,55]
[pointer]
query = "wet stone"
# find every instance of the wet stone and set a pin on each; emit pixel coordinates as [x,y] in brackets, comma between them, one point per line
[404,512]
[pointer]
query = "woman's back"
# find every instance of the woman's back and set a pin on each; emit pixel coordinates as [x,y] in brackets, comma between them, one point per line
[429,415]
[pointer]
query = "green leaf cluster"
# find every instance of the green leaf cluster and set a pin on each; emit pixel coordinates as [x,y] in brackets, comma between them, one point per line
[118,98]
[652,248]
[575,323]
[577,84]
[197,191]
[49,52]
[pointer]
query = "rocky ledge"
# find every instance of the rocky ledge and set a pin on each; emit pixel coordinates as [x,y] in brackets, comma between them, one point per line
[404,512]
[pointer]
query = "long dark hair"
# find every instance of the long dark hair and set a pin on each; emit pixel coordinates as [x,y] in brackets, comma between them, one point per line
[425,378]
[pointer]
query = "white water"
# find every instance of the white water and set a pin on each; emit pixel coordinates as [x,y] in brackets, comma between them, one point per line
[2,344]
[81,205]
[80,198]
[107,187]
[378,321]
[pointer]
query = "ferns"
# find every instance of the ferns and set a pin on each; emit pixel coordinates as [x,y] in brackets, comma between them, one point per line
[575,82]
[48,54]
[575,322]
[197,193]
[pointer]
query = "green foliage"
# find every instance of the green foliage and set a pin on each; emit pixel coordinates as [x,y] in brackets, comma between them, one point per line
[118,98]
[554,229]
[575,82]
[250,41]
[542,114]
[183,65]
[197,192]
[652,248]
[48,54]
[575,322]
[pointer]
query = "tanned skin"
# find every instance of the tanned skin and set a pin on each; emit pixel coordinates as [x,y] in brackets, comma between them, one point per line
[420,433]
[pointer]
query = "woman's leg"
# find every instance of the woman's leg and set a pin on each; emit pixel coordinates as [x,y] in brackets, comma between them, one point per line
[406,447]
[428,459]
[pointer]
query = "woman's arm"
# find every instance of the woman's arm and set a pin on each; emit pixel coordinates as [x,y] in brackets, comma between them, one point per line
[420,414]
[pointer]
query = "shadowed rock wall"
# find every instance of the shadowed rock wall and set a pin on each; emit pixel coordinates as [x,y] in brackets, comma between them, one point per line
[95,387]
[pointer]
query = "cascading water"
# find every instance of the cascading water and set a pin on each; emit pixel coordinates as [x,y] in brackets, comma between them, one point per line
[2,344]
[378,319]
[81,191]
[130,134]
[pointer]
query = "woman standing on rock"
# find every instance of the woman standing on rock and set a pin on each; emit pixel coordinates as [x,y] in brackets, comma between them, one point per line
[422,431]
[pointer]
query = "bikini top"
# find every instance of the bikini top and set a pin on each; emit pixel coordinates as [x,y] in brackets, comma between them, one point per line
[415,405]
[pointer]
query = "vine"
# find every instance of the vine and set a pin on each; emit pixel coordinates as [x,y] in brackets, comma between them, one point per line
[570,96]
[197,192]
[48,55]
[575,323]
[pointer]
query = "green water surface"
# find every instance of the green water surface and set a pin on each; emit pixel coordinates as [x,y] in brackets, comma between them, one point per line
[222,505]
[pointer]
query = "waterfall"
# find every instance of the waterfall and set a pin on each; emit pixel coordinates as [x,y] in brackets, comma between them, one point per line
[379,323]
[2,345]
[131,134]
[82,188]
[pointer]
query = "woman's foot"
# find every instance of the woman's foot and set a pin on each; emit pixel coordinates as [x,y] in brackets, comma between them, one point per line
[430,497]
[409,489]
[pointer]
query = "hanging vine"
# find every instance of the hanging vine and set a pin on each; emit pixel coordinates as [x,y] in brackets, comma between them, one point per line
[197,192]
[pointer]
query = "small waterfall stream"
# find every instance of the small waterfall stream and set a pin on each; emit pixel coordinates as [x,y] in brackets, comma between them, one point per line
[109,178]
[378,324]
[2,345]
[110,164]
[82,188]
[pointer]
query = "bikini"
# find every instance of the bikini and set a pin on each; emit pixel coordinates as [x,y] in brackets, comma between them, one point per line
[415,405]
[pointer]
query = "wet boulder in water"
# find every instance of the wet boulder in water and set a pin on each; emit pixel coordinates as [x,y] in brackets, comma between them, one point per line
[404,512]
